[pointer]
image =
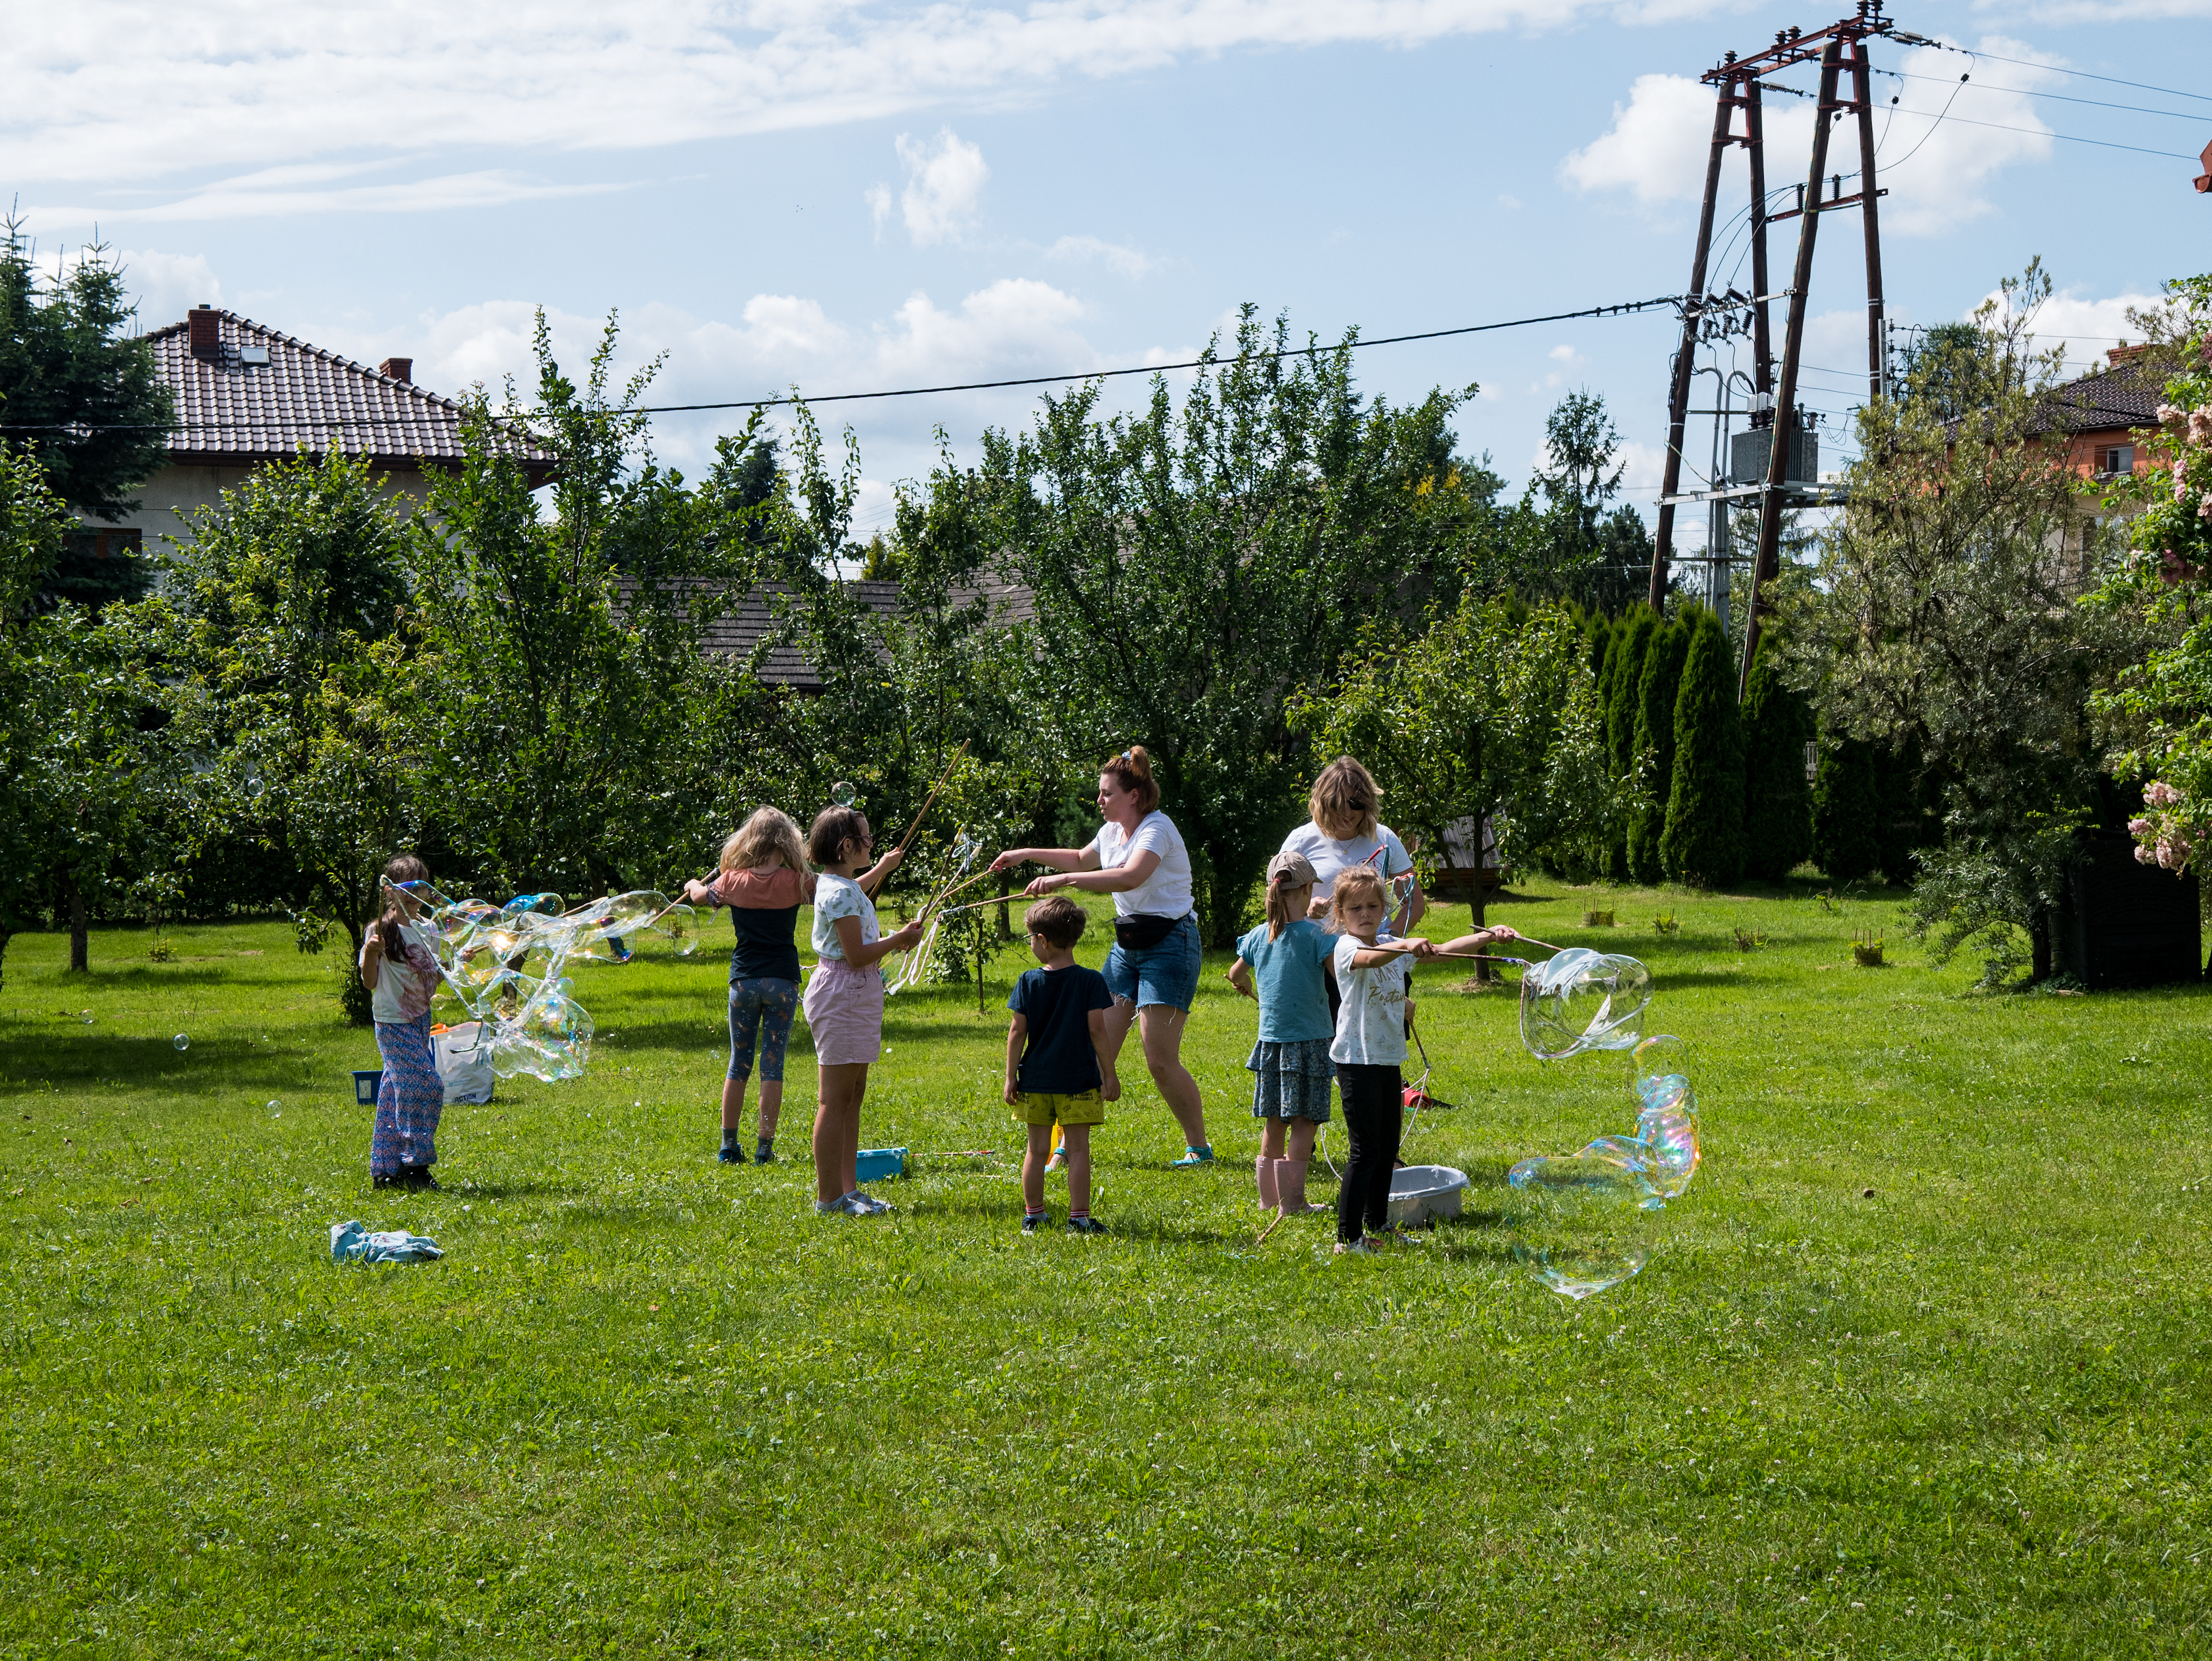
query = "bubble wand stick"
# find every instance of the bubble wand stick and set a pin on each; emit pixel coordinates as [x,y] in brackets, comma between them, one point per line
[943,779]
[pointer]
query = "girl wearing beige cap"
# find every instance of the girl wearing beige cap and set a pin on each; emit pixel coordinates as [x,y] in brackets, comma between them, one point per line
[1288,956]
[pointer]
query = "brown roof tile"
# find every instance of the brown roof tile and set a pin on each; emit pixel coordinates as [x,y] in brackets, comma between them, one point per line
[229,410]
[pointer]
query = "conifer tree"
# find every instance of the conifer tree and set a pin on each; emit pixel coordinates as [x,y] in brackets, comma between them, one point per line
[1702,842]
[1624,678]
[1656,685]
[1846,805]
[1777,804]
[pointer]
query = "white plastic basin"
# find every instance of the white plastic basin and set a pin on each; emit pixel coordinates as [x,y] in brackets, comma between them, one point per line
[1422,1193]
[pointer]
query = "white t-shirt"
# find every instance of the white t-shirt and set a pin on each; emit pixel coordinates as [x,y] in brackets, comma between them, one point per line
[1328,856]
[1166,892]
[1371,1024]
[402,992]
[837,896]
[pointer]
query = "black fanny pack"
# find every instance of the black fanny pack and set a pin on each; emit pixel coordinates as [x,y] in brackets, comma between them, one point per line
[1141,928]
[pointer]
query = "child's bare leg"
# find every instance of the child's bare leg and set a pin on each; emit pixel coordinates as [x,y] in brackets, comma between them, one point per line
[1076,1139]
[1040,1150]
[837,1129]
[733,1101]
[771,1108]
[851,1148]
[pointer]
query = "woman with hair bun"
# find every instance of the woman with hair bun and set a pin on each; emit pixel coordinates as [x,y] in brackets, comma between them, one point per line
[1139,857]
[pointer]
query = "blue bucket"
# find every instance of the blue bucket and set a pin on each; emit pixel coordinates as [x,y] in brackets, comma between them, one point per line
[873,1164]
[365,1085]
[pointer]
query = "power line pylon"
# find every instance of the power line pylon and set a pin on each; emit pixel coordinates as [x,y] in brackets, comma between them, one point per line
[1841,46]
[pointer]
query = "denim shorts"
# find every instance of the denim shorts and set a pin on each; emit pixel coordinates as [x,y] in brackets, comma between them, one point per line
[1166,973]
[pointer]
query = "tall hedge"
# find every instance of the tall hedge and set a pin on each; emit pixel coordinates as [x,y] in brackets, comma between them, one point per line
[1653,750]
[1908,817]
[1623,679]
[1846,810]
[1777,801]
[1702,842]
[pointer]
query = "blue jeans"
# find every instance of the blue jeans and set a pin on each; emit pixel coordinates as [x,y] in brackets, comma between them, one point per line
[1166,973]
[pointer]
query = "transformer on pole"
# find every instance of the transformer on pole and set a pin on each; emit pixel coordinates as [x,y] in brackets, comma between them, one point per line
[1838,48]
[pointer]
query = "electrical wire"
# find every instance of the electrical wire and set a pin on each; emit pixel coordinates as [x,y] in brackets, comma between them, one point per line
[2023,92]
[2035,132]
[1619,309]
[2140,85]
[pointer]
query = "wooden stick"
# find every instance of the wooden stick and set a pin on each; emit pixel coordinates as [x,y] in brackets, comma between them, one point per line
[942,779]
[967,882]
[1270,1228]
[977,905]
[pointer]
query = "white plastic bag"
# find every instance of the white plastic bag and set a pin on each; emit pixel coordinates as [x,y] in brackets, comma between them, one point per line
[463,1057]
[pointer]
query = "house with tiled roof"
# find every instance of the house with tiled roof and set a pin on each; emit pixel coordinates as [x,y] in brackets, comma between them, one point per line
[247,395]
[2099,417]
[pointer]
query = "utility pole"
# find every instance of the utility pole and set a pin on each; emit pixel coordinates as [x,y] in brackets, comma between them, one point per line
[1737,85]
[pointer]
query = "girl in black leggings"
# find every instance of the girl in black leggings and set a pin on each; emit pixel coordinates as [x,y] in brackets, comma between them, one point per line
[1370,1045]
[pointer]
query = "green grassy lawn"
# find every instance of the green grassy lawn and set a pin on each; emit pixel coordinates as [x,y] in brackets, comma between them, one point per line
[1920,1369]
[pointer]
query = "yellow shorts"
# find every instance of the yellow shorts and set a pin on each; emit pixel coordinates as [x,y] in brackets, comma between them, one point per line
[1042,1107]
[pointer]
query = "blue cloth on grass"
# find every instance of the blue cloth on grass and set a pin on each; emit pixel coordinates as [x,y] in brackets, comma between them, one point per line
[352,1242]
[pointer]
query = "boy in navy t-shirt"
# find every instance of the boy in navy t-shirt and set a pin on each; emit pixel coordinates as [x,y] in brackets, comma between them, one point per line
[1058,1065]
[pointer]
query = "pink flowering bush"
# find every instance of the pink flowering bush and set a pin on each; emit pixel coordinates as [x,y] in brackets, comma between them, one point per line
[2162,708]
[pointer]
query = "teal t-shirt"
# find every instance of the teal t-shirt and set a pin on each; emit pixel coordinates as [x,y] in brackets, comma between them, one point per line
[1292,976]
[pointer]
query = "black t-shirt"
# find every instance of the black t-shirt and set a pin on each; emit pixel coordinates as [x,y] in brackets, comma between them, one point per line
[765,913]
[1057,1056]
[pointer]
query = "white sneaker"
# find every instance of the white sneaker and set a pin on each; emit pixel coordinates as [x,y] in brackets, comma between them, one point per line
[839,1208]
[865,1204]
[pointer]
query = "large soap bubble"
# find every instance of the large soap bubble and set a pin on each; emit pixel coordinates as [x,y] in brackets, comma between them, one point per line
[921,959]
[1583,1222]
[1583,1000]
[505,964]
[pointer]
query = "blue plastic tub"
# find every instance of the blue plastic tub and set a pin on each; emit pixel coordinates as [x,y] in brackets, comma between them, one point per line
[365,1085]
[873,1164]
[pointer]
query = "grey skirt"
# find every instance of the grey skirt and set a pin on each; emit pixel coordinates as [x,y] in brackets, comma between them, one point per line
[1290,1080]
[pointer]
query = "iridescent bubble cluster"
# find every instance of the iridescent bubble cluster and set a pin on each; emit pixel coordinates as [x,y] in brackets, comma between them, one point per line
[506,963]
[1585,1221]
[922,959]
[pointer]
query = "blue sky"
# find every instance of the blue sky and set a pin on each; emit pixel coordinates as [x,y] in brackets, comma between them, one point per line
[848,197]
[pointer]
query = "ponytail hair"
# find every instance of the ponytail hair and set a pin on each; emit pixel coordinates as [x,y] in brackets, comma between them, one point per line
[1280,913]
[1132,771]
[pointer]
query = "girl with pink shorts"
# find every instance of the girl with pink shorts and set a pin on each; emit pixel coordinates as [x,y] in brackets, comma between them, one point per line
[844,1000]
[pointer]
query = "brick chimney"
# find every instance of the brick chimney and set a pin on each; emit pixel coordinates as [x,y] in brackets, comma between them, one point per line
[200,323]
[399,368]
[2124,353]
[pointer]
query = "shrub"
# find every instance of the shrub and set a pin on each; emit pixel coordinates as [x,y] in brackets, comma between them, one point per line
[1846,805]
[1778,802]
[1702,842]
[1622,684]
[1657,682]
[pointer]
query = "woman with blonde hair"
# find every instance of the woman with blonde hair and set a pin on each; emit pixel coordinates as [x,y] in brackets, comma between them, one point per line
[1344,832]
[763,880]
[1139,857]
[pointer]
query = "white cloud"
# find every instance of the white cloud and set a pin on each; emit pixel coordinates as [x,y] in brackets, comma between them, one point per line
[2098,11]
[1012,327]
[2085,326]
[944,194]
[1569,360]
[1130,262]
[165,285]
[113,91]
[879,198]
[287,192]
[1510,202]
[1934,168]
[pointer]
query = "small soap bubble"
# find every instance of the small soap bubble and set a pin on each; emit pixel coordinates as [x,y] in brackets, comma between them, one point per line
[276,1107]
[85,1015]
[183,1040]
[842,795]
